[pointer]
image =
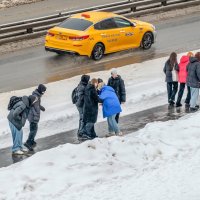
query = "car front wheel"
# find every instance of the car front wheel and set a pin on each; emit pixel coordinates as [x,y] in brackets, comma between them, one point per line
[147,41]
[98,51]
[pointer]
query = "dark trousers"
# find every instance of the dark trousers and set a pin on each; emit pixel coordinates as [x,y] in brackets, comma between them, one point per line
[89,130]
[180,94]
[81,123]
[172,88]
[32,134]
[117,117]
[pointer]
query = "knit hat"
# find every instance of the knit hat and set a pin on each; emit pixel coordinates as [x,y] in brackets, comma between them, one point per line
[85,78]
[100,80]
[114,71]
[32,99]
[41,88]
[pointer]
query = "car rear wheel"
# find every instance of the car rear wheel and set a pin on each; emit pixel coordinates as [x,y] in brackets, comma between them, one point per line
[98,51]
[147,40]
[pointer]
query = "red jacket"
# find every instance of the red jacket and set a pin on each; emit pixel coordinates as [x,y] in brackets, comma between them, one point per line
[182,74]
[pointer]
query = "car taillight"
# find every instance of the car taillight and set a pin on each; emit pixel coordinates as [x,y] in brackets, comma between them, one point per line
[79,38]
[50,34]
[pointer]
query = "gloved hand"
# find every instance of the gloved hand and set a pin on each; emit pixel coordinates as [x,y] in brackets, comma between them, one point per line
[42,108]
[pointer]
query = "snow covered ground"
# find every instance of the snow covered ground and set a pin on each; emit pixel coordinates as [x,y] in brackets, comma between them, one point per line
[145,89]
[159,162]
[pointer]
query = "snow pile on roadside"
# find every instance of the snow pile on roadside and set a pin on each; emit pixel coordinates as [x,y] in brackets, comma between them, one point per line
[145,89]
[10,3]
[159,162]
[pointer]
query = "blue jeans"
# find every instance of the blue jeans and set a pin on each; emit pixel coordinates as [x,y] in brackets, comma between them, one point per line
[33,130]
[112,124]
[17,137]
[194,97]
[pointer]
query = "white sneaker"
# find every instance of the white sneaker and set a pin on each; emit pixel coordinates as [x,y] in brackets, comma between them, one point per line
[120,134]
[18,152]
[25,150]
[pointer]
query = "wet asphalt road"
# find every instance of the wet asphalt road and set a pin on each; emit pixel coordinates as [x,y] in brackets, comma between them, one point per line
[129,124]
[31,66]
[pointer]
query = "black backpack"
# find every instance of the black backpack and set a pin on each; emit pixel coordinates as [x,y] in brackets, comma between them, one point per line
[75,95]
[13,101]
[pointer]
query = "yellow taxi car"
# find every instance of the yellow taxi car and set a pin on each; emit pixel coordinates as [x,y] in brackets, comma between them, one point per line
[94,34]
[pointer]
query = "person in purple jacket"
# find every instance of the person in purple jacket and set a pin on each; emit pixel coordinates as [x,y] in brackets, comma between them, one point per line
[111,106]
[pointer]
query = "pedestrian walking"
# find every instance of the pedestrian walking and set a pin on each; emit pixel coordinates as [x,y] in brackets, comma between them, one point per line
[80,100]
[17,118]
[193,80]
[117,83]
[90,110]
[34,116]
[171,72]
[182,76]
[111,107]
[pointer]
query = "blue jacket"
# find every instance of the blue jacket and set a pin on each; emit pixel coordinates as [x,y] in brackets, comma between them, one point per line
[111,105]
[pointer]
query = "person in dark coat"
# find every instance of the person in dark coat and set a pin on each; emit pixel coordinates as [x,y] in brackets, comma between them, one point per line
[193,80]
[90,110]
[80,101]
[171,69]
[111,106]
[17,118]
[34,116]
[117,83]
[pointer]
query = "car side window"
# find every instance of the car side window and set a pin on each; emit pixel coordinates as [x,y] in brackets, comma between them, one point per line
[121,23]
[105,25]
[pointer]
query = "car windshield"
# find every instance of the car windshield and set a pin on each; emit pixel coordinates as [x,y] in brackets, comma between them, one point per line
[75,24]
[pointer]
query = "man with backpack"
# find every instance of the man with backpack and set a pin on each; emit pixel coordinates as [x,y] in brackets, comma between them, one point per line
[34,117]
[19,108]
[78,100]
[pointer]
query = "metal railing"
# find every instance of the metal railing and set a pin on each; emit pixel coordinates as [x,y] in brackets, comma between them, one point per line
[36,27]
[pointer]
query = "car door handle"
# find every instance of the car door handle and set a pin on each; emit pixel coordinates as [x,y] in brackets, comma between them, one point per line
[122,31]
[103,34]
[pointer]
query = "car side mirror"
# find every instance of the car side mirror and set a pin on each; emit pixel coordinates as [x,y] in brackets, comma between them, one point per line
[133,24]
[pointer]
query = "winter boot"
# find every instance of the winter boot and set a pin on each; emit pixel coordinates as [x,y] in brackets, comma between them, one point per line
[28,146]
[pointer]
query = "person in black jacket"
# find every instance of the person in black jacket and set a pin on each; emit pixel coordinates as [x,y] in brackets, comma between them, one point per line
[90,110]
[34,116]
[80,102]
[117,83]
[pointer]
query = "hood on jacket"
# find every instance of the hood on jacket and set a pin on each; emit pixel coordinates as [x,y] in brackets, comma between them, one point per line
[37,93]
[184,59]
[107,88]
[193,59]
[85,79]
[118,77]
[25,100]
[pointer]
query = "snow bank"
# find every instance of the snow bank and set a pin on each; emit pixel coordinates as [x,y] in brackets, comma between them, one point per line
[10,3]
[145,89]
[159,162]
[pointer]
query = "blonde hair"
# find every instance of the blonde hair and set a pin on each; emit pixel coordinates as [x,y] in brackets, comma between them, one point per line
[100,85]
[190,54]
